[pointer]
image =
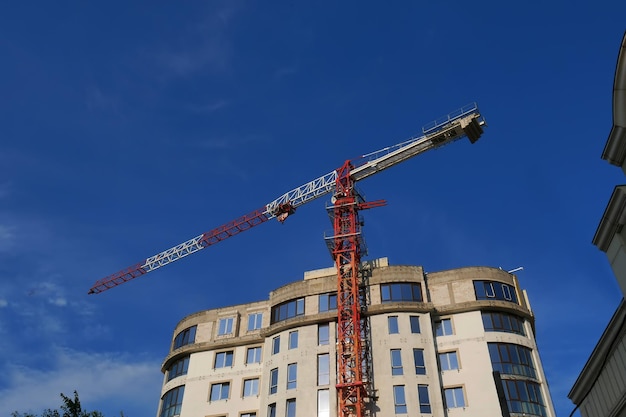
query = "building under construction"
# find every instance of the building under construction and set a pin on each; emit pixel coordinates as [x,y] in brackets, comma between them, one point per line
[456,342]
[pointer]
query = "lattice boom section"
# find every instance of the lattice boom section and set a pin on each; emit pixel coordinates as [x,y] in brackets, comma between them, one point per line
[206,239]
[305,193]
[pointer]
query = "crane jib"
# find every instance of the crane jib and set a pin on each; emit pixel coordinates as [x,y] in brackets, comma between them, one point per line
[464,122]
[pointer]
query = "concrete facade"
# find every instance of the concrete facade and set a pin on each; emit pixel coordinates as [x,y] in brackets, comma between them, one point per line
[434,346]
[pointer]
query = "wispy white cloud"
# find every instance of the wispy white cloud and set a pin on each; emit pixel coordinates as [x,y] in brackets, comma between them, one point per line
[285,72]
[3,303]
[58,301]
[99,378]
[210,107]
[97,99]
[5,189]
[7,237]
[206,45]
[231,142]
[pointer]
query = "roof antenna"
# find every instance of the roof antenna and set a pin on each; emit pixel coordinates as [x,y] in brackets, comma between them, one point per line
[519,268]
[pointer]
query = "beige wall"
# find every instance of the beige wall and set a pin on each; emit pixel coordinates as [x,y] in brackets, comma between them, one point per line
[447,294]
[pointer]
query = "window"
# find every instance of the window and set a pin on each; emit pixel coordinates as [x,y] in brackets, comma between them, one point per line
[274,381]
[415,324]
[323,369]
[443,327]
[511,359]
[448,361]
[287,310]
[392,324]
[405,291]
[253,355]
[323,403]
[255,321]
[293,340]
[225,326]
[418,358]
[220,391]
[248,415]
[275,345]
[178,368]
[251,387]
[524,397]
[271,410]
[396,362]
[322,334]
[186,337]
[223,359]
[290,408]
[172,401]
[502,322]
[399,401]
[454,397]
[292,375]
[327,302]
[494,290]
[423,398]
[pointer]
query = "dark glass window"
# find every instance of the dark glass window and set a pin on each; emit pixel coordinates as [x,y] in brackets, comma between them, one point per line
[225,326]
[178,368]
[172,401]
[524,397]
[424,399]
[328,302]
[292,375]
[293,340]
[255,320]
[401,291]
[253,355]
[512,359]
[415,324]
[274,381]
[220,391]
[271,410]
[399,399]
[275,345]
[494,290]
[323,369]
[186,337]
[418,358]
[396,362]
[323,334]
[291,407]
[454,397]
[495,321]
[287,310]
[251,387]
[443,327]
[224,359]
[448,361]
[392,323]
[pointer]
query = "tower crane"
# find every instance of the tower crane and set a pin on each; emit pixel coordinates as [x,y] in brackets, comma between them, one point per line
[346,245]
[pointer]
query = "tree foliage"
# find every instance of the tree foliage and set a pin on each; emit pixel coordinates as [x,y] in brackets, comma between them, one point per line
[69,408]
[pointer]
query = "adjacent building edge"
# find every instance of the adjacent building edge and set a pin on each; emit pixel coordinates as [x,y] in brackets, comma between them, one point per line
[600,390]
[455,342]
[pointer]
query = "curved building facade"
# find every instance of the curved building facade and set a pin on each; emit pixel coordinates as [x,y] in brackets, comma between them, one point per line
[449,343]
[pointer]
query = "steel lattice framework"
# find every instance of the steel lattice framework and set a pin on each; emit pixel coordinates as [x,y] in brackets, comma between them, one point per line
[467,121]
[352,339]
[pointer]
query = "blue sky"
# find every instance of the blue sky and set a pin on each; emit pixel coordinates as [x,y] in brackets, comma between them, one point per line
[129,127]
